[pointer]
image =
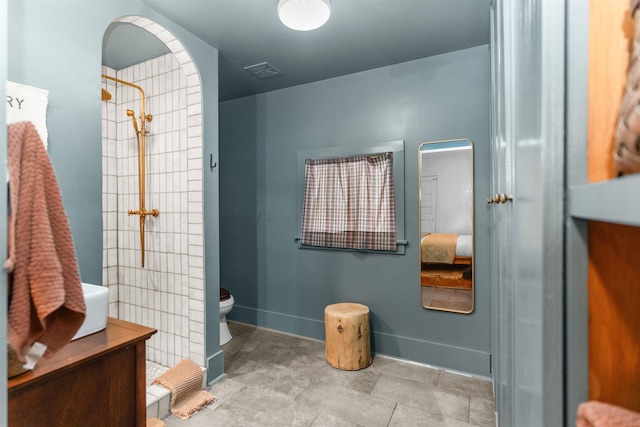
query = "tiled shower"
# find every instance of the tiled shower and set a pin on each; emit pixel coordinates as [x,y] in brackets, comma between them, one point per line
[168,293]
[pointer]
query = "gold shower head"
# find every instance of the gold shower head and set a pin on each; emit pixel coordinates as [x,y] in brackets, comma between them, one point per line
[106,96]
[131,114]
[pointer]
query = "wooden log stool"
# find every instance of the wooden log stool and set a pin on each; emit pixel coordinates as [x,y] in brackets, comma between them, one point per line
[346,327]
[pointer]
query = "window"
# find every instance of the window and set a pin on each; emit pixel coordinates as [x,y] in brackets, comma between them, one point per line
[349,198]
[349,202]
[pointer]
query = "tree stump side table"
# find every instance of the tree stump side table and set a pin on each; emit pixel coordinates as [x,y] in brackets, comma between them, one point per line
[348,341]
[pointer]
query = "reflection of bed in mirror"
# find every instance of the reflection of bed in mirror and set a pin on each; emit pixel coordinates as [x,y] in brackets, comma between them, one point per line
[446,225]
[446,260]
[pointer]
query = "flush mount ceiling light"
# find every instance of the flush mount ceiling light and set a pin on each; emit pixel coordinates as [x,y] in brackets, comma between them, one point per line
[304,15]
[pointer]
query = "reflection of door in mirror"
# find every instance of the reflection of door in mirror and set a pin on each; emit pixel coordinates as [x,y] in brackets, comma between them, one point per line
[446,225]
[428,196]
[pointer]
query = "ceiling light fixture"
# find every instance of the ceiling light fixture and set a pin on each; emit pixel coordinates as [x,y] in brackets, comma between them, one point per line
[304,15]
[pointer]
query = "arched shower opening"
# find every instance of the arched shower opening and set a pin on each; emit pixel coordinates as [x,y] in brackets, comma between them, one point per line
[168,293]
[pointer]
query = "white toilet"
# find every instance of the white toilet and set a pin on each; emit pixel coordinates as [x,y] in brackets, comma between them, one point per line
[226,304]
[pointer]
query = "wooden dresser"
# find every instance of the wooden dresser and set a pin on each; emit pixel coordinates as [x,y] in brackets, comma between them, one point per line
[98,380]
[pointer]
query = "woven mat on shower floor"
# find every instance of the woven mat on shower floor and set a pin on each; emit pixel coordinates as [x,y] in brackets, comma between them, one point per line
[185,383]
[154,370]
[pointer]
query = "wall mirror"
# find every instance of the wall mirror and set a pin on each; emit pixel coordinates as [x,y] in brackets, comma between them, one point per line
[446,225]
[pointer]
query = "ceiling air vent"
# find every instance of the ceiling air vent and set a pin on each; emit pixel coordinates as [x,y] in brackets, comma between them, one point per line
[263,70]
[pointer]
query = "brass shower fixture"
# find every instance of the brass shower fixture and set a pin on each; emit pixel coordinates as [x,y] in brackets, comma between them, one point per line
[106,96]
[131,114]
[141,138]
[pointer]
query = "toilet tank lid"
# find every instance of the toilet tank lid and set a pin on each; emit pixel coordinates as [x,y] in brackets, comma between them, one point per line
[224,294]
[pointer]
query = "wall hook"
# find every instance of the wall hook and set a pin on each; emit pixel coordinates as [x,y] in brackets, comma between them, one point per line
[212,164]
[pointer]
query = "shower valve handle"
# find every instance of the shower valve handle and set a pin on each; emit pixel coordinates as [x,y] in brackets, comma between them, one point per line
[144,212]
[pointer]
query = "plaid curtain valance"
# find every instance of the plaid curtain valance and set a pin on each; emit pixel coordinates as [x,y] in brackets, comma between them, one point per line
[350,202]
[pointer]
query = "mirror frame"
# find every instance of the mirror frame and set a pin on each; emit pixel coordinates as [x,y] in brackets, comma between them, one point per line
[473,275]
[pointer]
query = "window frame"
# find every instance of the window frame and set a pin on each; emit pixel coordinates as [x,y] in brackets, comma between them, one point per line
[397,147]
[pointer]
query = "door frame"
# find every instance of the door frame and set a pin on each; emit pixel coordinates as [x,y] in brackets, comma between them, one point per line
[528,104]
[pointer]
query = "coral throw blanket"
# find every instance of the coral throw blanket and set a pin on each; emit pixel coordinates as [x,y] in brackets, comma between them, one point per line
[440,248]
[600,414]
[46,302]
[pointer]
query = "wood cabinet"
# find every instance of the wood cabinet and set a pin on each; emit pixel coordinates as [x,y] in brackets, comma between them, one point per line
[98,380]
[614,240]
[603,285]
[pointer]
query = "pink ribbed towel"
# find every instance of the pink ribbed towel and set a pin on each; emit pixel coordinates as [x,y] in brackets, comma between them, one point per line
[46,302]
[599,414]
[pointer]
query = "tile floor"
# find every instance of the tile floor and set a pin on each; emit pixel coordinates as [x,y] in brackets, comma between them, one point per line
[275,379]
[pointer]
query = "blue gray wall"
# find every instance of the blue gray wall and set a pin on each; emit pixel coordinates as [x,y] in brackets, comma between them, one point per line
[57,45]
[279,286]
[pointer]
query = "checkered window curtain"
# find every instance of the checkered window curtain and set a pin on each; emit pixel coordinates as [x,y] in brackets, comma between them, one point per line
[350,202]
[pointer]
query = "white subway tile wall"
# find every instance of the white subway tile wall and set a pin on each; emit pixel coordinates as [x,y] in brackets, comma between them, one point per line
[168,293]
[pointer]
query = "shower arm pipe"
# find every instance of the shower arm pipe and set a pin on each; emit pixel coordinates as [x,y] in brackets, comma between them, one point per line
[141,197]
[104,76]
[141,136]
